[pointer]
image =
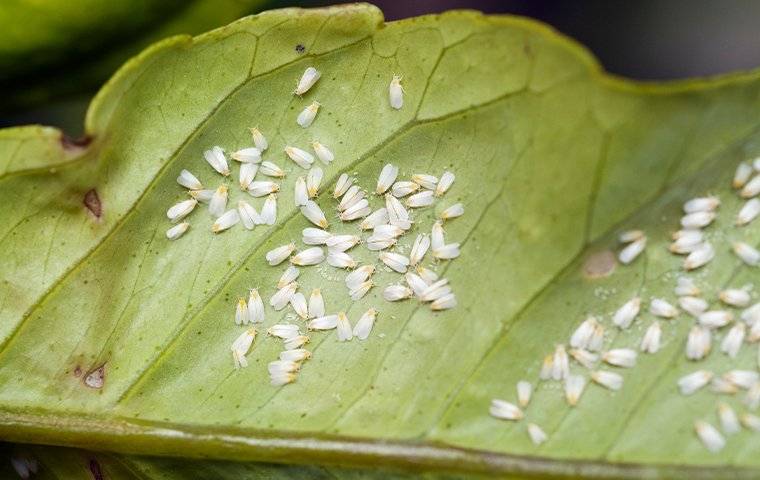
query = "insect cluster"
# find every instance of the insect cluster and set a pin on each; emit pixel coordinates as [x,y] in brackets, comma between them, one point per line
[386,225]
[586,346]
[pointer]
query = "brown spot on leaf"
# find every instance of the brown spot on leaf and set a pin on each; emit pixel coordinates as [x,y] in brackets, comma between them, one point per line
[300,48]
[96,378]
[599,264]
[78,371]
[95,471]
[92,202]
[75,144]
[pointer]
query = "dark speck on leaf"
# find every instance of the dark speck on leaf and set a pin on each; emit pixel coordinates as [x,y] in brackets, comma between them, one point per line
[300,48]
[92,202]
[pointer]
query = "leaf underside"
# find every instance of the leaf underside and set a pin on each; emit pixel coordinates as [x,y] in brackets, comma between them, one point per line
[552,158]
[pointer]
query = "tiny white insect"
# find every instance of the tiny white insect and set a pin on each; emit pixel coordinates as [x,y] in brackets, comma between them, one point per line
[582,335]
[271,170]
[282,297]
[650,343]
[583,357]
[620,357]
[340,259]
[301,194]
[504,410]
[597,339]
[297,355]
[298,302]
[241,312]
[698,343]
[751,315]
[732,342]
[177,230]
[722,386]
[188,180]
[687,243]
[352,196]
[375,243]
[445,302]
[255,307]
[365,323]
[241,346]
[396,92]
[262,188]
[325,322]
[395,261]
[289,275]
[359,276]
[447,179]
[447,252]
[574,385]
[661,308]
[280,379]
[699,257]
[296,342]
[537,436]
[697,219]
[279,367]
[693,234]
[685,287]
[394,293]
[748,212]
[302,158]
[378,217]
[323,153]
[314,214]
[397,214]
[454,211]
[403,188]
[688,384]
[547,367]
[428,275]
[747,253]
[247,174]
[560,363]
[218,203]
[307,115]
[715,318]
[269,210]
[342,185]
[420,199]
[752,188]
[313,181]
[227,220]
[358,292]
[215,157]
[247,155]
[387,231]
[416,283]
[277,255]
[436,290]
[180,210]
[419,249]
[203,196]
[358,210]
[745,379]
[310,256]
[259,139]
[735,297]
[626,314]
[248,215]
[316,304]
[425,180]
[387,177]
[694,306]
[751,422]
[344,330]
[315,236]
[283,331]
[610,380]
[629,236]
[743,172]
[629,253]
[709,436]
[524,391]
[701,204]
[308,79]
[341,243]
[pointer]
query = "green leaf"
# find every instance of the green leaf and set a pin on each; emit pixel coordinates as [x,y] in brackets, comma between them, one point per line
[85,41]
[552,159]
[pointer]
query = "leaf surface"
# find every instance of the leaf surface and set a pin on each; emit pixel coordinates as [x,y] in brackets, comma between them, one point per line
[552,159]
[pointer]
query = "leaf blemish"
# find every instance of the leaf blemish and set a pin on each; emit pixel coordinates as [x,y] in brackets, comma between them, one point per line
[95,469]
[96,378]
[75,144]
[92,202]
[599,264]
[300,48]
